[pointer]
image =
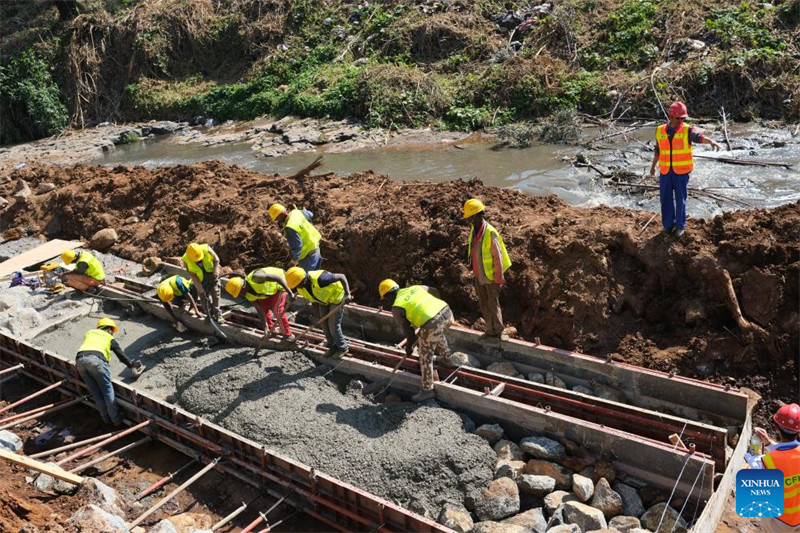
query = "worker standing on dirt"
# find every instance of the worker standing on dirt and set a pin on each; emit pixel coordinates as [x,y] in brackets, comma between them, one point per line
[302,236]
[179,291]
[327,293]
[93,360]
[415,307]
[266,290]
[88,270]
[203,266]
[489,261]
[784,456]
[673,155]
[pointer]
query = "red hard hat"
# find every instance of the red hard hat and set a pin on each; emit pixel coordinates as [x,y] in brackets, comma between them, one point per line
[678,110]
[788,418]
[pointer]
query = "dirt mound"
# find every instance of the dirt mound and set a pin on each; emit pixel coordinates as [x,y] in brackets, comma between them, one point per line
[584,279]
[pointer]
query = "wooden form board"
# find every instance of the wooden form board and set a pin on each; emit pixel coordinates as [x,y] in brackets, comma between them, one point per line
[41,253]
[39,466]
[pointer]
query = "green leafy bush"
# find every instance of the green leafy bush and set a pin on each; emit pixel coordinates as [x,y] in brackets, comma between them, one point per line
[628,37]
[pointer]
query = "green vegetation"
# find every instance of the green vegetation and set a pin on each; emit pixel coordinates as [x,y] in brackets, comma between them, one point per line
[629,39]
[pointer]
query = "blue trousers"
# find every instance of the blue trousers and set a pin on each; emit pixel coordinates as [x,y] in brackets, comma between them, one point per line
[96,373]
[311,262]
[332,326]
[673,189]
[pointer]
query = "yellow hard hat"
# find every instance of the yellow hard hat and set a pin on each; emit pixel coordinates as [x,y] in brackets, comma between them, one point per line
[194,252]
[386,286]
[165,292]
[294,276]
[68,256]
[275,210]
[472,207]
[107,322]
[234,286]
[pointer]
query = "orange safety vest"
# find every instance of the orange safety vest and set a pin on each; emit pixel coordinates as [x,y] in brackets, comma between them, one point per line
[788,462]
[678,154]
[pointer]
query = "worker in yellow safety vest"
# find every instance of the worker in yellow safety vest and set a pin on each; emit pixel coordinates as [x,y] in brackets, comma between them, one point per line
[416,307]
[88,270]
[266,290]
[489,262]
[302,236]
[179,291]
[204,270]
[92,362]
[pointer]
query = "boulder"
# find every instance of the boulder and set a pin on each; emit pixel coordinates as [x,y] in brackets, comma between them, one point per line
[562,475]
[510,469]
[45,188]
[576,464]
[603,469]
[605,499]
[536,377]
[586,517]
[498,500]
[461,358]
[191,521]
[22,189]
[564,528]
[509,451]
[10,441]
[497,527]
[555,381]
[101,495]
[161,128]
[92,518]
[556,518]
[504,369]
[164,526]
[456,517]
[631,501]
[103,239]
[531,521]
[539,486]
[543,448]
[583,390]
[624,523]
[490,432]
[582,487]
[672,521]
[556,499]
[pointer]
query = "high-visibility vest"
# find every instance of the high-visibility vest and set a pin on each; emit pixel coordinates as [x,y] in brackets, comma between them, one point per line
[332,294]
[677,155]
[309,235]
[265,289]
[97,340]
[788,462]
[207,261]
[172,281]
[486,251]
[95,268]
[419,304]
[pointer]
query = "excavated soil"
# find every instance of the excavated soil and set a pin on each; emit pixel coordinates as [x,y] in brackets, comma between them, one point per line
[586,279]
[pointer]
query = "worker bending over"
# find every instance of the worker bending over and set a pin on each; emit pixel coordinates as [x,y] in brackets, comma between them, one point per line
[415,307]
[266,290]
[327,293]
[88,270]
[179,291]
[302,236]
[93,360]
[203,266]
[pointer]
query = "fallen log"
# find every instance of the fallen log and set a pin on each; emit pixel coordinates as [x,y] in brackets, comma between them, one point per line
[749,162]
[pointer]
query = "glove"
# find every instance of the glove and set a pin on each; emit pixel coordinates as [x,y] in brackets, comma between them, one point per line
[349,298]
[137,369]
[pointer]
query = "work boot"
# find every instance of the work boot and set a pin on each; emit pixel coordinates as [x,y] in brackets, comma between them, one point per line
[340,352]
[290,338]
[330,352]
[679,232]
[423,395]
[504,337]
[668,230]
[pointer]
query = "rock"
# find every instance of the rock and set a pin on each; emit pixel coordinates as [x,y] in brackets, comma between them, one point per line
[161,128]
[356,386]
[191,521]
[92,518]
[3,202]
[694,312]
[536,378]
[45,188]
[508,451]
[556,499]
[461,358]
[586,517]
[555,381]
[564,528]
[556,518]
[456,517]
[531,521]
[103,239]
[603,469]
[138,529]
[583,390]
[582,487]
[606,499]
[490,432]
[28,528]
[44,482]
[631,501]
[10,441]
[504,369]
[652,516]
[62,487]
[101,495]
[22,190]
[624,523]
[164,526]
[509,469]
[562,475]
[694,44]
[498,500]
[536,485]
[543,448]
[392,398]
[651,496]
[496,527]
[607,393]
[576,464]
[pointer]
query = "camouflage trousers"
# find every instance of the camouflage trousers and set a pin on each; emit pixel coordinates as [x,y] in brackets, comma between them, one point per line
[431,340]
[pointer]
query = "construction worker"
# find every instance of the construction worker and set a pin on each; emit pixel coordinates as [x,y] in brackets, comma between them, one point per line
[327,293]
[673,155]
[93,360]
[783,455]
[416,307]
[266,290]
[203,266]
[88,270]
[179,291]
[489,261]
[302,236]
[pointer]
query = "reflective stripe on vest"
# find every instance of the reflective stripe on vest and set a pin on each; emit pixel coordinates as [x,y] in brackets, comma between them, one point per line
[309,235]
[94,268]
[97,340]
[332,294]
[207,260]
[266,289]
[419,304]
[678,155]
[486,251]
[788,462]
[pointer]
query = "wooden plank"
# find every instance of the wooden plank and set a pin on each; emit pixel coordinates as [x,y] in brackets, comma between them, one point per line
[39,466]
[41,253]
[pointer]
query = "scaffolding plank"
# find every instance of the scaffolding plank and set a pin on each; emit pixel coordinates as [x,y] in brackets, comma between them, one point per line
[41,253]
[39,466]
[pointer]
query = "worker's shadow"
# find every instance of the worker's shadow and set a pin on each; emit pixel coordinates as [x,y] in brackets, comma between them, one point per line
[374,420]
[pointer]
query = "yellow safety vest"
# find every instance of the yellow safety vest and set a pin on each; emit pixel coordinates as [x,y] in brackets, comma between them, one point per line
[419,304]
[207,260]
[486,251]
[266,289]
[172,281]
[678,154]
[95,268]
[97,340]
[332,294]
[309,235]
